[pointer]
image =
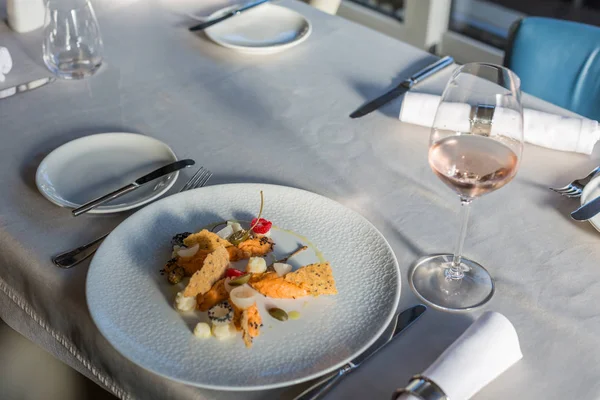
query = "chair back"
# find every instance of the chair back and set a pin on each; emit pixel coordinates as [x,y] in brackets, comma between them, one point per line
[557,61]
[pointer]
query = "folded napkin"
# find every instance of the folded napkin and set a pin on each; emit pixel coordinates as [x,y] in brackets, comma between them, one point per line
[483,352]
[539,128]
[5,63]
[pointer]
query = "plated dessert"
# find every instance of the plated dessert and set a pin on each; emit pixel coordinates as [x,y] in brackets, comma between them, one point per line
[225,268]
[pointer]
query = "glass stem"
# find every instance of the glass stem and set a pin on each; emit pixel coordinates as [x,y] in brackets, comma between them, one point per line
[455,272]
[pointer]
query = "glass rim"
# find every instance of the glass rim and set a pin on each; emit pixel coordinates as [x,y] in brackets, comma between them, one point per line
[461,69]
[60,5]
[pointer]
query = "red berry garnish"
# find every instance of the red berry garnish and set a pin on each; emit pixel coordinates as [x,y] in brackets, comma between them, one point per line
[233,273]
[263,226]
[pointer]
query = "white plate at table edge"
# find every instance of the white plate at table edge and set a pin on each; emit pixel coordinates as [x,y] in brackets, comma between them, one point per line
[272,49]
[96,310]
[81,143]
[590,192]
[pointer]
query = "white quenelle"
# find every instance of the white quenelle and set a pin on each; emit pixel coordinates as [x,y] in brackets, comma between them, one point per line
[183,303]
[202,330]
[256,265]
[222,332]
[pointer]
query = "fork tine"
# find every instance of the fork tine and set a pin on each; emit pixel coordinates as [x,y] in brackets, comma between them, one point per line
[569,188]
[574,193]
[199,179]
[193,183]
[191,180]
[575,188]
[562,189]
[205,179]
[563,192]
[202,179]
[572,190]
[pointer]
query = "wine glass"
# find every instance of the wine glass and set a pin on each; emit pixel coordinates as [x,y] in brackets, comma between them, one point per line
[475,148]
[72,47]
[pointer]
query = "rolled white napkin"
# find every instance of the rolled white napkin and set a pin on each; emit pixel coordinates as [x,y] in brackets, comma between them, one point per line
[483,352]
[5,63]
[539,128]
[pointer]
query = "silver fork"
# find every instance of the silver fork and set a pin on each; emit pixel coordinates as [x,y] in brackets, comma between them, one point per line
[71,258]
[575,188]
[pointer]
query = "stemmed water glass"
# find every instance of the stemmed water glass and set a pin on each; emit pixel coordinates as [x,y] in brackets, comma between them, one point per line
[475,148]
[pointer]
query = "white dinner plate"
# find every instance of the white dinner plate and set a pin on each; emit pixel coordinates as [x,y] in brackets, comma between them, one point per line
[132,304]
[92,166]
[590,192]
[265,29]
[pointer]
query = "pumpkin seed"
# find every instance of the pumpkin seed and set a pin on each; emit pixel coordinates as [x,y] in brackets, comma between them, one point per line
[240,280]
[278,314]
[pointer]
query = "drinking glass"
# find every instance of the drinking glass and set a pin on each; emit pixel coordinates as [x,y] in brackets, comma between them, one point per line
[72,45]
[474,148]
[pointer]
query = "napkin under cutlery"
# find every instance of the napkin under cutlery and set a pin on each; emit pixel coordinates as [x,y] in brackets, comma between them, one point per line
[539,128]
[5,63]
[484,351]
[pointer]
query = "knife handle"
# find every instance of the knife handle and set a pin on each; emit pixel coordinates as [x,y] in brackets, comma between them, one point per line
[431,69]
[323,386]
[206,24]
[104,199]
[73,257]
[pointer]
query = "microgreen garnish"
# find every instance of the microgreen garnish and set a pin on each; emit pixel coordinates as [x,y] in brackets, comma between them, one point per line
[243,235]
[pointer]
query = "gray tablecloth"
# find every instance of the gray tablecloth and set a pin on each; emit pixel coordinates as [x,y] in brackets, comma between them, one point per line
[283,119]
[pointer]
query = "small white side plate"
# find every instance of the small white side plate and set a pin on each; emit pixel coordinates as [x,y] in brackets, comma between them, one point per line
[590,192]
[265,29]
[92,166]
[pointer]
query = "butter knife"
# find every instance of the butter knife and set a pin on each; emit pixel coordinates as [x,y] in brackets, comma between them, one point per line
[228,15]
[24,87]
[397,326]
[403,87]
[162,171]
[587,211]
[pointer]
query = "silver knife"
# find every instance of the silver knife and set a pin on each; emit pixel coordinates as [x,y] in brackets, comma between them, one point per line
[403,87]
[24,87]
[228,15]
[587,211]
[167,169]
[397,326]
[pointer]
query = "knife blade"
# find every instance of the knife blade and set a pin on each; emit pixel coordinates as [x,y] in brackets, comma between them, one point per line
[398,325]
[403,87]
[167,169]
[24,87]
[587,211]
[228,15]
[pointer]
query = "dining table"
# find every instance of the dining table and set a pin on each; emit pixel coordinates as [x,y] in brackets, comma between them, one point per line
[284,119]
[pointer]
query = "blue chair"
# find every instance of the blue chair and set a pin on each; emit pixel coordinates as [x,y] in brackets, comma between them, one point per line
[557,61]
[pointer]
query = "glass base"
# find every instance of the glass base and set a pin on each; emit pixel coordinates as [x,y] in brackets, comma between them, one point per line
[73,69]
[432,283]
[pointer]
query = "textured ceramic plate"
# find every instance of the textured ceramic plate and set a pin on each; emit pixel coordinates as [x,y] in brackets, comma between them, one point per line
[132,304]
[590,192]
[265,29]
[92,166]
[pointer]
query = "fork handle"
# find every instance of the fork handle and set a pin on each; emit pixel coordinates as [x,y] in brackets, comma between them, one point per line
[73,257]
[324,385]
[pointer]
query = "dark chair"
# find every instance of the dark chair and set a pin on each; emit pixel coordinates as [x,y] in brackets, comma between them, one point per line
[557,61]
